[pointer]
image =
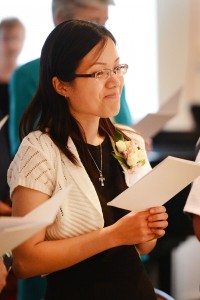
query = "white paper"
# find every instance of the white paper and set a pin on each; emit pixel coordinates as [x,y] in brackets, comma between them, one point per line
[152,123]
[171,106]
[158,186]
[3,121]
[15,230]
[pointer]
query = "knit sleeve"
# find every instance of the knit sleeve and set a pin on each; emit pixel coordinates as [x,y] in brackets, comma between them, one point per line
[33,165]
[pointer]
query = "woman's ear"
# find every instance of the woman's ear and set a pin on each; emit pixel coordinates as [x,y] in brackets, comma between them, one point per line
[60,87]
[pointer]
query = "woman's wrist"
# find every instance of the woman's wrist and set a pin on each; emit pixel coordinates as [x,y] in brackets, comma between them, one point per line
[146,247]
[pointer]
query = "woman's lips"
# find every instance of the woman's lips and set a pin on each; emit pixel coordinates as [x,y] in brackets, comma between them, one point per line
[113,95]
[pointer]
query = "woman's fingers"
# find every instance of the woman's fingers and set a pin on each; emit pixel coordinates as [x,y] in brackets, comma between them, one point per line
[159,225]
[157,220]
[157,210]
[158,233]
[158,217]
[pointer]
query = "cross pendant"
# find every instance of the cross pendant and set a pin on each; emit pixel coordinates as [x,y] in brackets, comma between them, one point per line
[101,178]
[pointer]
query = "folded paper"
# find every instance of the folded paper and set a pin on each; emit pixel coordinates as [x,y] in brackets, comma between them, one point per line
[152,123]
[159,185]
[15,230]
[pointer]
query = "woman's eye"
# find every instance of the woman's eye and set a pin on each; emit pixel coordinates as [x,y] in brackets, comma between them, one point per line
[100,73]
[119,68]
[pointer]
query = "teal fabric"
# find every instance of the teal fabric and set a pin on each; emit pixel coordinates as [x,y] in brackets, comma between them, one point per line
[32,288]
[124,115]
[22,88]
[144,258]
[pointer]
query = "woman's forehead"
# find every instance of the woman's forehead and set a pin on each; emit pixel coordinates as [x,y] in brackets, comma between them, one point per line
[101,54]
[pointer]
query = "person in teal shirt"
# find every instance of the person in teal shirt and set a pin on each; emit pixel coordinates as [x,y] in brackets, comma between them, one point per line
[23,86]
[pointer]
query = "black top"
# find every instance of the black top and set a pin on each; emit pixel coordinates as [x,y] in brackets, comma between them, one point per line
[117,273]
[5,157]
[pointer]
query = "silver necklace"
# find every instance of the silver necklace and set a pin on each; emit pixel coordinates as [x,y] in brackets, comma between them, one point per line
[101,177]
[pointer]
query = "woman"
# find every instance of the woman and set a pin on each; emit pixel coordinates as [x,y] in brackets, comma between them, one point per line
[92,250]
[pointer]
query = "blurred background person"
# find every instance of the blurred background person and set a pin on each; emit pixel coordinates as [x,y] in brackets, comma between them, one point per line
[23,86]
[196,225]
[192,205]
[12,34]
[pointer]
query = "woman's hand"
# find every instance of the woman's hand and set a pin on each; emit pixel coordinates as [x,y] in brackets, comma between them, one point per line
[136,228]
[157,220]
[141,229]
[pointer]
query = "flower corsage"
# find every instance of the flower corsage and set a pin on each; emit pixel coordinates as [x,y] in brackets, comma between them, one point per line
[129,153]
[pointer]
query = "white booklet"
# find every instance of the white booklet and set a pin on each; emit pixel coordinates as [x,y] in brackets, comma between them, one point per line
[15,230]
[3,121]
[158,186]
[152,123]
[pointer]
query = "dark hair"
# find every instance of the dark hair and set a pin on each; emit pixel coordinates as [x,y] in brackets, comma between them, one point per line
[61,54]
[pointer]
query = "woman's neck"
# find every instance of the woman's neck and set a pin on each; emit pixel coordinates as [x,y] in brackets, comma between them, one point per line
[91,131]
[95,141]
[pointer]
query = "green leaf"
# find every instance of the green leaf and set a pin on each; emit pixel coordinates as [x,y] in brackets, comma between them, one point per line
[121,159]
[118,136]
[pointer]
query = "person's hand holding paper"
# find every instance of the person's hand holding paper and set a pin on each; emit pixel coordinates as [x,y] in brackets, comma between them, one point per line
[151,228]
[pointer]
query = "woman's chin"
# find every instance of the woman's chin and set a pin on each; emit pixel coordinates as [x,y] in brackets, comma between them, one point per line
[110,112]
[112,116]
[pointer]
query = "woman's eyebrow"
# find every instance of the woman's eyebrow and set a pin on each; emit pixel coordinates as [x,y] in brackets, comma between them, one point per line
[104,64]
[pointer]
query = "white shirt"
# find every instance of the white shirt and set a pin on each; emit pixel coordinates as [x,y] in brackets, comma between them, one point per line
[193,201]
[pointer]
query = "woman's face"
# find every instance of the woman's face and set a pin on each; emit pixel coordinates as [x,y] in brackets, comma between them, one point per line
[90,98]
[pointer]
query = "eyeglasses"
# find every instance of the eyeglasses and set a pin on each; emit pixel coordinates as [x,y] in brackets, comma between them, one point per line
[104,74]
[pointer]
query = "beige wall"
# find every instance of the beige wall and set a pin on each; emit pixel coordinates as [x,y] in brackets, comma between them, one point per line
[193,67]
[174,51]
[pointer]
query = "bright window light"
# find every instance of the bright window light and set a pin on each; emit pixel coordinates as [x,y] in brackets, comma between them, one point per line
[37,19]
[134,25]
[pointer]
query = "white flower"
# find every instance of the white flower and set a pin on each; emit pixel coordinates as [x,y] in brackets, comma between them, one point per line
[121,146]
[132,159]
[128,144]
[130,153]
[140,155]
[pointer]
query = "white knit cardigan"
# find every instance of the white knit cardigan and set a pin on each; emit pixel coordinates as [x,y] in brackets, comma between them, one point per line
[41,166]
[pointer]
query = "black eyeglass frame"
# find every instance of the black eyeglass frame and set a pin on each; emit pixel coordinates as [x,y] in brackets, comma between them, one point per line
[94,75]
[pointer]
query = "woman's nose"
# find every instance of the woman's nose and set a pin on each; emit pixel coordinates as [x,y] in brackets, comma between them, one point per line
[115,80]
